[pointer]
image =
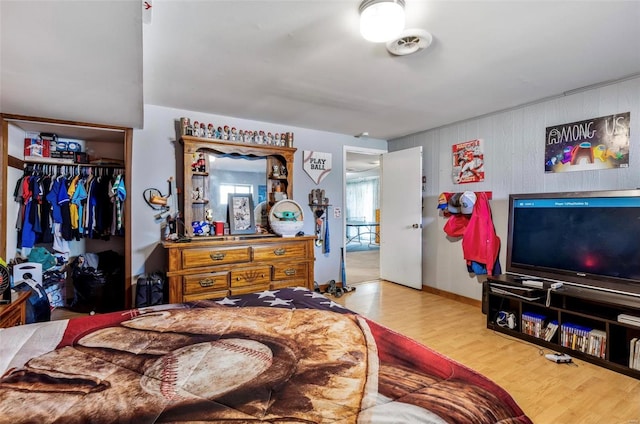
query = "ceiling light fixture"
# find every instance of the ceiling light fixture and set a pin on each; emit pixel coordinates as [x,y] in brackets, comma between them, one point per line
[381,20]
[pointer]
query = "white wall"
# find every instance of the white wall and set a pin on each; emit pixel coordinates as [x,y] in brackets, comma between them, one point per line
[514,143]
[154,161]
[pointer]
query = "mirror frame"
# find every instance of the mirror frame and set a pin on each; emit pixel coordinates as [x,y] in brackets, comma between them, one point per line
[275,156]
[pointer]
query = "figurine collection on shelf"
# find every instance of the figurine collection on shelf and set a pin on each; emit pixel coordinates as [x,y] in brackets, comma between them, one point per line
[199,129]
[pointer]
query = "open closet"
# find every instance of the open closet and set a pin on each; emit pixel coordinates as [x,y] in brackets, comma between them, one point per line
[93,164]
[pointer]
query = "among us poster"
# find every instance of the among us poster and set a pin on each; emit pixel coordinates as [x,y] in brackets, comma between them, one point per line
[597,143]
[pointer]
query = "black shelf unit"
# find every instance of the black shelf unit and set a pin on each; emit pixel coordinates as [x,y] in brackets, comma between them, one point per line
[592,308]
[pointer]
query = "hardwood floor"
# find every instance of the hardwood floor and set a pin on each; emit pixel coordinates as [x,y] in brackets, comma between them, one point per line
[362,265]
[548,393]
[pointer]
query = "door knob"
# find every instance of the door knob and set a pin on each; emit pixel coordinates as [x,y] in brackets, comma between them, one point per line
[416,225]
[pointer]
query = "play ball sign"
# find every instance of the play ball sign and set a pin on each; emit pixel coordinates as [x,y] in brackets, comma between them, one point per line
[316,164]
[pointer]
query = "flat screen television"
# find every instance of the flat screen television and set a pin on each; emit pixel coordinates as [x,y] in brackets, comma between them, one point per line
[582,238]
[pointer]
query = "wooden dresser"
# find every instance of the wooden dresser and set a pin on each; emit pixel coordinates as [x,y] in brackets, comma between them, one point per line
[14,313]
[232,265]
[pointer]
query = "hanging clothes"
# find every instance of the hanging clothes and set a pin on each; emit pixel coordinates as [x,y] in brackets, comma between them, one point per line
[119,192]
[103,208]
[17,196]
[28,238]
[480,243]
[79,199]
[60,244]
[63,202]
[46,235]
[58,204]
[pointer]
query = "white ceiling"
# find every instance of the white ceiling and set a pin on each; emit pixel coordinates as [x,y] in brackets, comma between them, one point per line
[362,165]
[303,63]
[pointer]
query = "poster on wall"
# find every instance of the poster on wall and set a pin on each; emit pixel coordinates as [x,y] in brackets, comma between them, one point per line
[597,143]
[316,164]
[468,162]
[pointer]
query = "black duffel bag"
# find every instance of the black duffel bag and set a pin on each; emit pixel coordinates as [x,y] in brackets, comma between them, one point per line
[89,288]
[150,290]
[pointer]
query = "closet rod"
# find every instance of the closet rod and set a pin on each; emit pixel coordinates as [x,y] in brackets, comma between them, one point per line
[74,169]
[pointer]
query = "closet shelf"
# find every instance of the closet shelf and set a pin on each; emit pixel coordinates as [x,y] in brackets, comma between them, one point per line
[66,162]
[52,161]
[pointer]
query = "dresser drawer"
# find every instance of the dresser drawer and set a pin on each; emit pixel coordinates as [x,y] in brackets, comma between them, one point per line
[288,283]
[280,251]
[208,295]
[12,318]
[242,277]
[204,283]
[249,289]
[289,270]
[195,258]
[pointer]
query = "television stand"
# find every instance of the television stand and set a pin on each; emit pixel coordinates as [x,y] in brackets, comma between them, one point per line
[586,319]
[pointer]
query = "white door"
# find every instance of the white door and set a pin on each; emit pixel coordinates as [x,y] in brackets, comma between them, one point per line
[401,217]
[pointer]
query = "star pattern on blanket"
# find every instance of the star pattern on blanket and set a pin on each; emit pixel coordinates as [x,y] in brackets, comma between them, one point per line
[267,293]
[227,301]
[278,301]
[315,295]
[289,297]
[331,304]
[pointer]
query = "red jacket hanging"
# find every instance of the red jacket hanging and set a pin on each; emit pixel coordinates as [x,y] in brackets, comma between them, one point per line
[480,243]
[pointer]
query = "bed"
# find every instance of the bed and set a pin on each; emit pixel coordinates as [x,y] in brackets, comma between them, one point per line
[280,356]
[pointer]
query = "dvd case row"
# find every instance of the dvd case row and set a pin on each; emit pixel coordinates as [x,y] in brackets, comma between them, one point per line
[584,339]
[536,325]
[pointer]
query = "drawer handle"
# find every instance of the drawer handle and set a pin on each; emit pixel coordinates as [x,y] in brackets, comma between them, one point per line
[218,256]
[280,251]
[207,282]
[251,277]
[290,271]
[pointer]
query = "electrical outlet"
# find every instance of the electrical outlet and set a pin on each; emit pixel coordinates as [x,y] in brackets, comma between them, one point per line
[337,212]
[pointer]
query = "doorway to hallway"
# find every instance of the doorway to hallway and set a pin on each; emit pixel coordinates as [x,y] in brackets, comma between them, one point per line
[362,215]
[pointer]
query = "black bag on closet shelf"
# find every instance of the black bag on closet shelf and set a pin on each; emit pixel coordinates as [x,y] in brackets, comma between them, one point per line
[150,290]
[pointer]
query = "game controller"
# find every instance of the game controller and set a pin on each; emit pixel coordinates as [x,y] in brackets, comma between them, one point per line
[506,319]
[558,358]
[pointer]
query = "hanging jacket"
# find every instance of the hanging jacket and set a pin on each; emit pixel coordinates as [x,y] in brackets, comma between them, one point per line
[480,242]
[63,202]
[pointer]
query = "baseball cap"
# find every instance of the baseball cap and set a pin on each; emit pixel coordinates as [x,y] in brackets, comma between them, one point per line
[467,202]
[443,200]
[443,203]
[454,203]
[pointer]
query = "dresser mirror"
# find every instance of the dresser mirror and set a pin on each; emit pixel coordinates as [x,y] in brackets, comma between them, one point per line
[235,174]
[215,169]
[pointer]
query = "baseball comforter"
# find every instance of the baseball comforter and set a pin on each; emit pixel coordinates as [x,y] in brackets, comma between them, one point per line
[281,356]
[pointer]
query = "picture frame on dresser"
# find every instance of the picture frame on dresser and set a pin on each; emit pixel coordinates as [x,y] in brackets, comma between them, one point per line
[241,214]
